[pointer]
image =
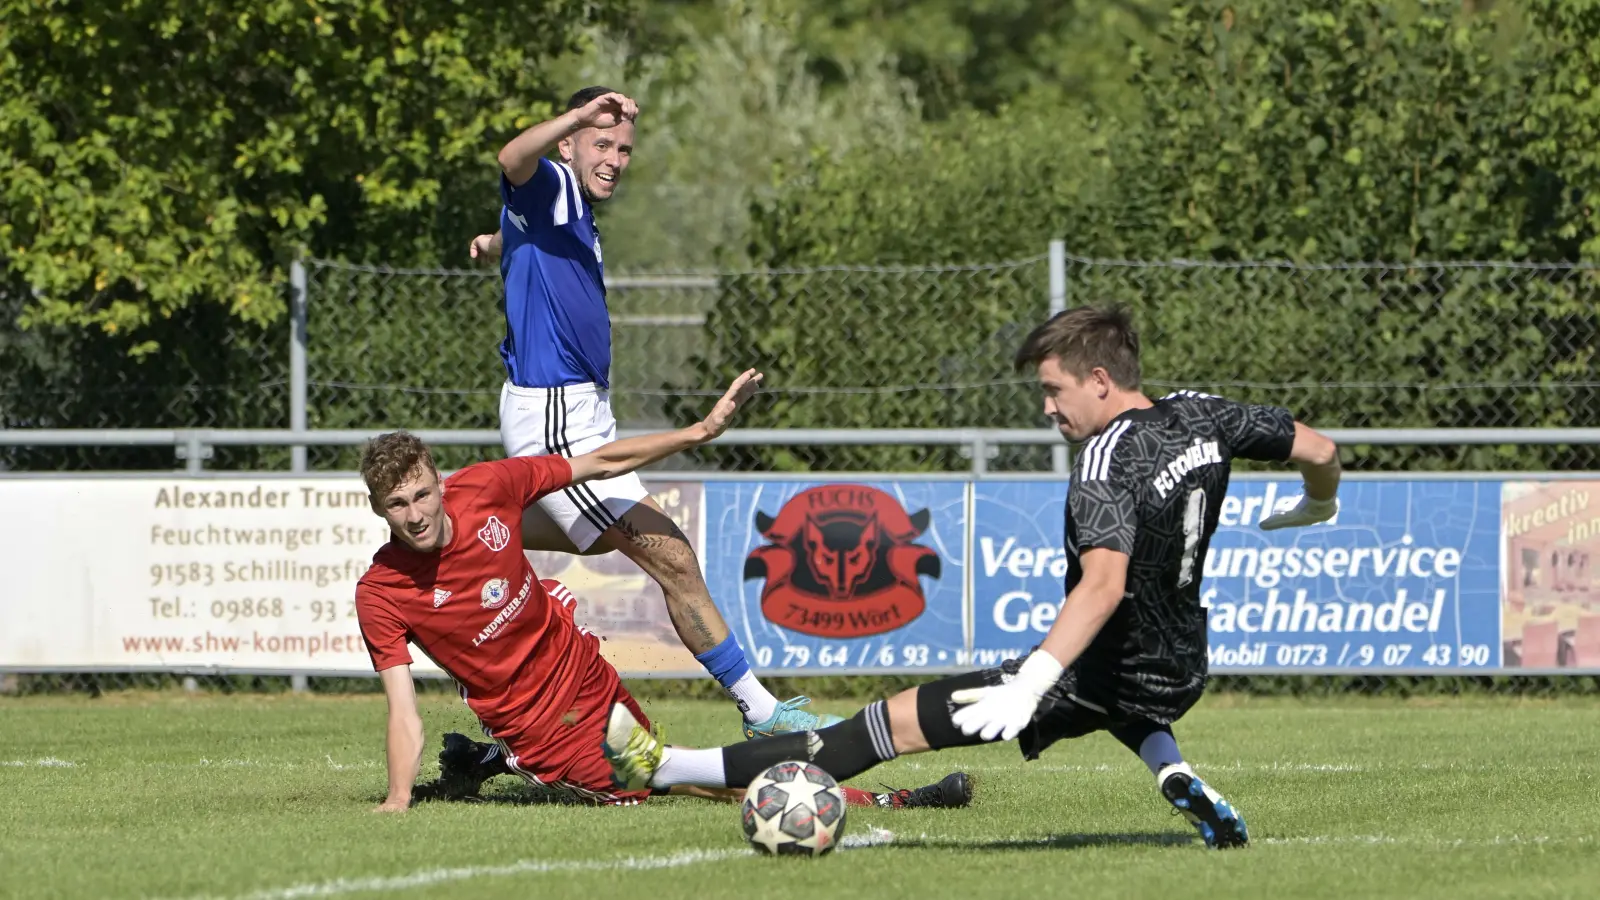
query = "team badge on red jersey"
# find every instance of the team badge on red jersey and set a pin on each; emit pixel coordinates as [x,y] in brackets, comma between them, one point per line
[494,534]
[841,562]
[494,593]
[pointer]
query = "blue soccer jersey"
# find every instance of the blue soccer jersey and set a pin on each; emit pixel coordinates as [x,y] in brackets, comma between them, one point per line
[558,330]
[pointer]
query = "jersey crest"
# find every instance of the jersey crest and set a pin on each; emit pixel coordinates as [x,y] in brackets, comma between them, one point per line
[494,534]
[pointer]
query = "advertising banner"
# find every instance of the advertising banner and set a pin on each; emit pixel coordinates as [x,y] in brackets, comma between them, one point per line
[1406,577]
[1550,615]
[256,575]
[165,572]
[847,577]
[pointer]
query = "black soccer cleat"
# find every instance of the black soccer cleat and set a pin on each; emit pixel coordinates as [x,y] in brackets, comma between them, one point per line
[1219,824]
[465,764]
[953,791]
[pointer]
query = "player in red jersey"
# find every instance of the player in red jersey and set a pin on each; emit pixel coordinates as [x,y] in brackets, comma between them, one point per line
[453,580]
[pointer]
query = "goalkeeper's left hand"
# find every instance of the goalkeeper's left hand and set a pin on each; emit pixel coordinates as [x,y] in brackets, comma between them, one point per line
[1001,711]
[1306,512]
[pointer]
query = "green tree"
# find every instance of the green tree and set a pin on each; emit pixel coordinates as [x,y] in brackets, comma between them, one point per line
[161,162]
[722,105]
[1563,111]
[983,54]
[1302,131]
[154,154]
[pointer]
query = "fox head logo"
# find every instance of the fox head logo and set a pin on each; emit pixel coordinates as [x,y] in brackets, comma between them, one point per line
[841,562]
[841,553]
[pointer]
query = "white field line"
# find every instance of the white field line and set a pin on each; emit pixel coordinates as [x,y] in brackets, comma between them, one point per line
[875,838]
[430,877]
[49,762]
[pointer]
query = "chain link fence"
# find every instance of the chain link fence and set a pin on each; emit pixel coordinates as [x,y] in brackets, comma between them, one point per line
[420,349]
[210,370]
[1344,345]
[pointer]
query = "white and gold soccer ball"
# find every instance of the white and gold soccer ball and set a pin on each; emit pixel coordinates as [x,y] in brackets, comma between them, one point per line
[793,809]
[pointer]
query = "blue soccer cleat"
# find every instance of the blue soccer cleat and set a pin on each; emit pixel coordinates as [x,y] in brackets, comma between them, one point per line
[1219,824]
[790,717]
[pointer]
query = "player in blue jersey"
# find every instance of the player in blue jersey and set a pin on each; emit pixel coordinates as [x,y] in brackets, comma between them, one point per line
[556,399]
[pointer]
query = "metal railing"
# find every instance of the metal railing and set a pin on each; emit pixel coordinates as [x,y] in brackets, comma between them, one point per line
[193,446]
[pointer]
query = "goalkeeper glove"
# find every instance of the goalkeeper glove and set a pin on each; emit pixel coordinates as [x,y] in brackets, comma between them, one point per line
[999,712]
[1306,512]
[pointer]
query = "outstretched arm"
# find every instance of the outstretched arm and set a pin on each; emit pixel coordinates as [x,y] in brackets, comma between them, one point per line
[1317,457]
[1004,710]
[628,454]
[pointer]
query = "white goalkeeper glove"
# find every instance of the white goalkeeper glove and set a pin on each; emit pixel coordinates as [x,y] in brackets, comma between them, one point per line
[1306,512]
[1000,711]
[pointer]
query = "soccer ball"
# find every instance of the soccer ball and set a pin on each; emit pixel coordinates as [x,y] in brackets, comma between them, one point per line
[793,808]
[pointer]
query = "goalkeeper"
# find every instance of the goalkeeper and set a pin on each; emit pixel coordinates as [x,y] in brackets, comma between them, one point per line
[1127,654]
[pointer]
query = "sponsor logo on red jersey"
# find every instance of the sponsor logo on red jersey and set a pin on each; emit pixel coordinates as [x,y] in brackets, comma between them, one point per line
[494,593]
[841,562]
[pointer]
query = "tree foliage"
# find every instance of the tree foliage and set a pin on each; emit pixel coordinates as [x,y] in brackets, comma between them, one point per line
[1299,131]
[1563,111]
[734,99]
[156,153]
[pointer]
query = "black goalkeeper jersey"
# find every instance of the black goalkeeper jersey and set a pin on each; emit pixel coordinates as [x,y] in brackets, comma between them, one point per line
[1151,485]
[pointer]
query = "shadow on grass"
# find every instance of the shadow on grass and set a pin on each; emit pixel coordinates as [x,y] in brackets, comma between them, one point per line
[1076,841]
[522,795]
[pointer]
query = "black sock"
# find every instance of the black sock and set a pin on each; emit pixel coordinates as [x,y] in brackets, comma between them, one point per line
[844,750]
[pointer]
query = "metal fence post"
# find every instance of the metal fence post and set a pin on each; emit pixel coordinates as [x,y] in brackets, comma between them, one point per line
[1058,302]
[297,361]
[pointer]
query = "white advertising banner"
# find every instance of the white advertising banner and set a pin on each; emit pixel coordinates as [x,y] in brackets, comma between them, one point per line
[256,574]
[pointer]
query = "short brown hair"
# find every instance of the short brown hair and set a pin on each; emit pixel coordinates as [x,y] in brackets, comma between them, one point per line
[1084,339]
[391,458]
[585,96]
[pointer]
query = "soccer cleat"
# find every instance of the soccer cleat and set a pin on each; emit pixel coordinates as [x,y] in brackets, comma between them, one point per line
[790,717]
[954,791]
[465,764]
[1219,824]
[634,753]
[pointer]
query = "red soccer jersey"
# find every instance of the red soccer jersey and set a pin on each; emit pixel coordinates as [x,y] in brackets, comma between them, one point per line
[477,609]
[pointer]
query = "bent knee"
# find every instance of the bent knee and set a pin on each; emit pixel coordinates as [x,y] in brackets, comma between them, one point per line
[905,724]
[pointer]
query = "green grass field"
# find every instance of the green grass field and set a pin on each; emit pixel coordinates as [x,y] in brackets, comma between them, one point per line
[269,796]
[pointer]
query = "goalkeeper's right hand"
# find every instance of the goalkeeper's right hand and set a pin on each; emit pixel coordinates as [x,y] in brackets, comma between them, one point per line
[1306,512]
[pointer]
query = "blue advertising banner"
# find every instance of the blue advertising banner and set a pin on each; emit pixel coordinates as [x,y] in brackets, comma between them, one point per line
[859,576]
[1406,577]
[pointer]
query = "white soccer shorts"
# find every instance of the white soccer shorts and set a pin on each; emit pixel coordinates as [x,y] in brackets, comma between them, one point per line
[569,421]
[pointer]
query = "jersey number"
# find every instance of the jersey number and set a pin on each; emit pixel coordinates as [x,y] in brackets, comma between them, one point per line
[1194,518]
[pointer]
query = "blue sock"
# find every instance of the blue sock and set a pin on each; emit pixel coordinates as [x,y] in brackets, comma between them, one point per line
[727,665]
[725,662]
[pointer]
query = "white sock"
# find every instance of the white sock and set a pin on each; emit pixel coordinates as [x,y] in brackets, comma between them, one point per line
[756,701]
[681,765]
[1166,771]
[1159,751]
